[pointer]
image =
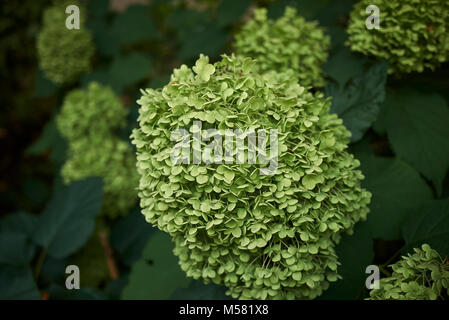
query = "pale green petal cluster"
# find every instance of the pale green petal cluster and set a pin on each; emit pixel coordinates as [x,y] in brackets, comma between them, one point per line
[64,54]
[88,120]
[413,34]
[423,275]
[289,42]
[262,236]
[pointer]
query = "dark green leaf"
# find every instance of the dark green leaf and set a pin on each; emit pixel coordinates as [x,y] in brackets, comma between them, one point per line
[129,69]
[20,222]
[43,87]
[134,25]
[358,102]
[50,139]
[130,235]
[396,188]
[15,249]
[69,219]
[344,65]
[417,126]
[230,11]
[355,253]
[157,274]
[17,284]
[429,223]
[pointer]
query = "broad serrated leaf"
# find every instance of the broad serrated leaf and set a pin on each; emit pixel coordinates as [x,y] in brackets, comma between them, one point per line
[17,283]
[19,222]
[127,70]
[230,11]
[396,189]
[355,253]
[157,274]
[69,218]
[15,249]
[358,102]
[344,65]
[208,39]
[417,127]
[50,139]
[428,223]
[134,25]
[130,235]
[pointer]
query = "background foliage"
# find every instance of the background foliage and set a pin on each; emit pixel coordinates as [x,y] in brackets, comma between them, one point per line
[398,123]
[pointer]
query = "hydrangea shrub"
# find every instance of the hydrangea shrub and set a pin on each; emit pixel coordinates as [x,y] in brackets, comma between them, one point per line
[423,275]
[89,120]
[289,42]
[413,34]
[63,54]
[262,236]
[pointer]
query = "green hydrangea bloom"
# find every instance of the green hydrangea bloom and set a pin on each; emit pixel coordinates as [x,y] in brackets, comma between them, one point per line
[262,236]
[63,54]
[97,107]
[423,275]
[413,34]
[289,42]
[87,120]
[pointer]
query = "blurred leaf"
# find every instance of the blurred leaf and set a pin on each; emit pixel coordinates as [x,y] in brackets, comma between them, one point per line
[43,87]
[128,69]
[396,189]
[157,274]
[50,139]
[208,39]
[98,75]
[58,292]
[344,65]
[417,127]
[53,270]
[36,190]
[115,288]
[309,9]
[429,223]
[105,41]
[20,222]
[184,20]
[15,249]
[17,284]
[69,218]
[230,11]
[197,290]
[134,25]
[355,253]
[98,8]
[130,235]
[159,82]
[196,34]
[358,102]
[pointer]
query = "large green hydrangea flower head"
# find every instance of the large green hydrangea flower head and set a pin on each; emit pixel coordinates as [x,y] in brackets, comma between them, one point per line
[289,42]
[423,275]
[264,236]
[413,34]
[64,54]
[88,120]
